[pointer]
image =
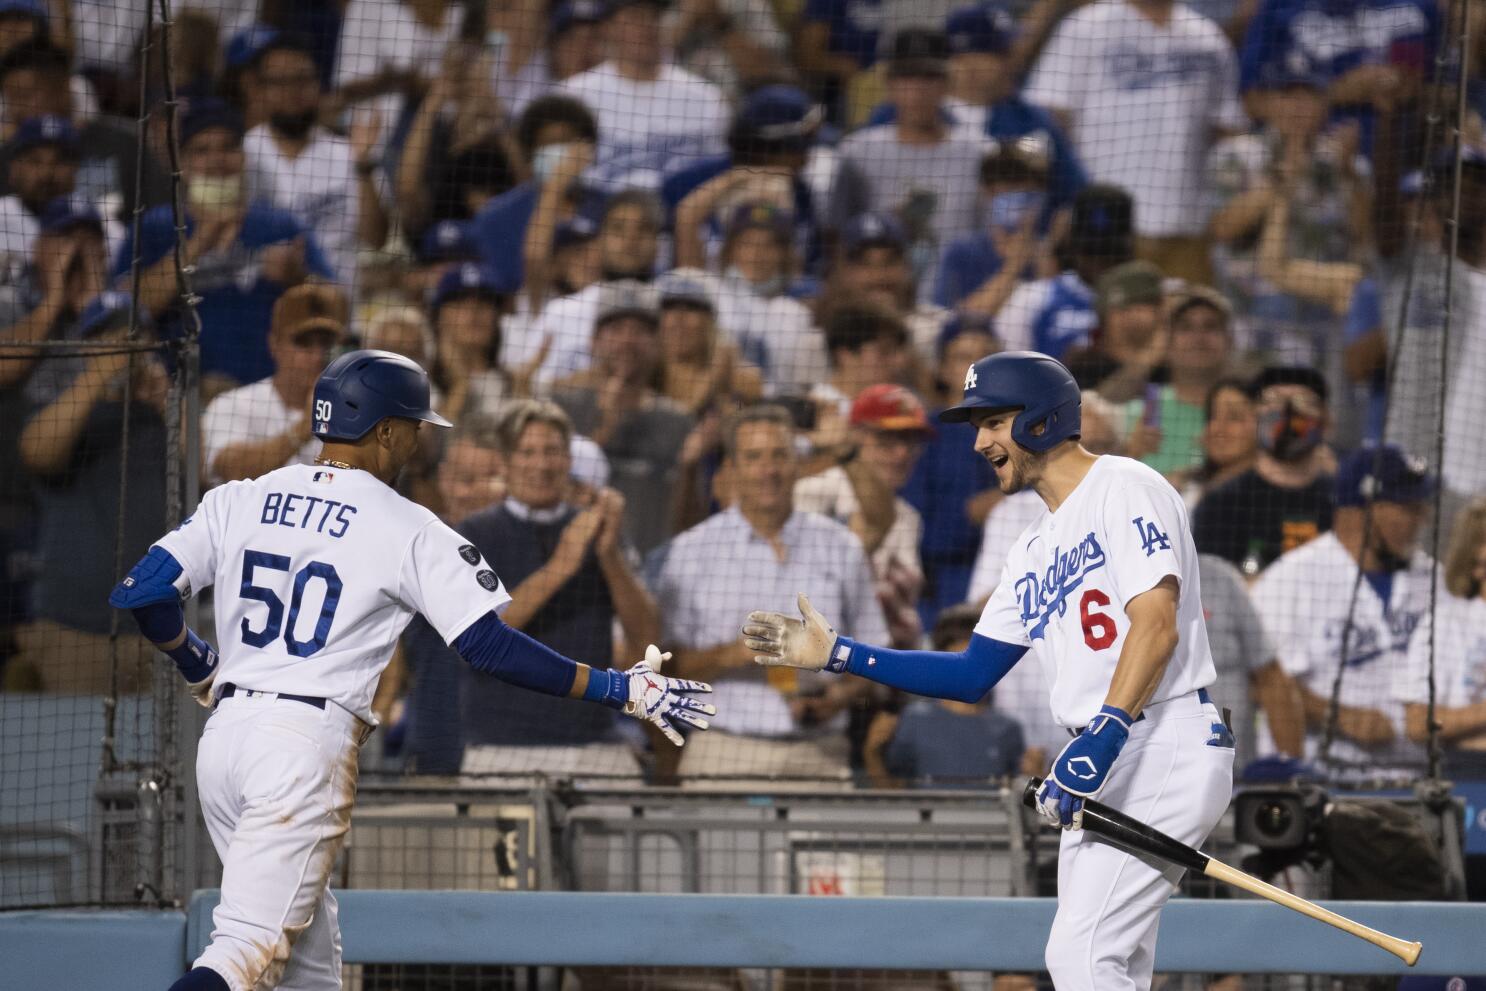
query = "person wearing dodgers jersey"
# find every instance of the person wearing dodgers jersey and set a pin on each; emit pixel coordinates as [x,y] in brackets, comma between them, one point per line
[328,564]
[1103,587]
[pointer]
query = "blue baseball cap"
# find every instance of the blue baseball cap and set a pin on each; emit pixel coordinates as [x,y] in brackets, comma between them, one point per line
[447,241]
[871,230]
[248,44]
[67,212]
[963,323]
[1382,473]
[470,279]
[203,115]
[107,311]
[24,8]
[573,231]
[981,29]
[779,115]
[571,12]
[37,132]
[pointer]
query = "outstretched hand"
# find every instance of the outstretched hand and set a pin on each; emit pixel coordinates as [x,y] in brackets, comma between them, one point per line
[778,640]
[657,699]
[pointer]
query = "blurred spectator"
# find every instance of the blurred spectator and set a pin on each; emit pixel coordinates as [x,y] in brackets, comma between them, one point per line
[652,114]
[980,270]
[570,582]
[888,428]
[1318,174]
[555,137]
[388,47]
[865,344]
[1132,339]
[1144,87]
[834,41]
[43,167]
[701,369]
[730,42]
[771,328]
[1199,352]
[872,265]
[952,486]
[918,167]
[105,36]
[783,723]
[245,253]
[1320,613]
[615,402]
[73,448]
[1250,679]
[941,742]
[983,100]
[1464,468]
[1283,501]
[1370,54]
[35,82]
[467,308]
[402,330]
[239,83]
[565,45]
[628,244]
[1052,315]
[444,246]
[454,159]
[769,145]
[253,429]
[472,473]
[324,180]
[1229,440]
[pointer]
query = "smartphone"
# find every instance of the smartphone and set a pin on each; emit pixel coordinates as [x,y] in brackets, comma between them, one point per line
[1151,415]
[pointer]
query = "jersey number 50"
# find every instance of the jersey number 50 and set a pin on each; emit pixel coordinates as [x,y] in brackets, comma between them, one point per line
[275,624]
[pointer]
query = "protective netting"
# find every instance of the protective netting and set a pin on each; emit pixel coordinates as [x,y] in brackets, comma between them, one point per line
[691,281]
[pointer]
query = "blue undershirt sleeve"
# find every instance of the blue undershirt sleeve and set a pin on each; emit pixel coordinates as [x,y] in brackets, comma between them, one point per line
[497,649]
[965,676]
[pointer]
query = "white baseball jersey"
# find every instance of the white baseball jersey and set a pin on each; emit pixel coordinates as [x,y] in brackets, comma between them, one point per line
[1144,99]
[319,187]
[1067,580]
[1459,656]
[1305,600]
[318,570]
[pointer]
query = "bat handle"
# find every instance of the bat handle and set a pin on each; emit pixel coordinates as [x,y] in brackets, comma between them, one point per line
[1029,793]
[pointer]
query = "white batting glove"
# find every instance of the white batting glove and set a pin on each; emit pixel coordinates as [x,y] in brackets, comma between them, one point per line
[783,641]
[657,699]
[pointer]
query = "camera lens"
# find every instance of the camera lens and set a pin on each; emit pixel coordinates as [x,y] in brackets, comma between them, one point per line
[1274,818]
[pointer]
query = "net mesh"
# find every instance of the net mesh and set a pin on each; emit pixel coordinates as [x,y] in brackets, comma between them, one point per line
[691,282]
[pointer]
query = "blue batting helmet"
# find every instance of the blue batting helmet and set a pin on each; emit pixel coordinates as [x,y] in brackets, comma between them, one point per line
[1034,383]
[360,388]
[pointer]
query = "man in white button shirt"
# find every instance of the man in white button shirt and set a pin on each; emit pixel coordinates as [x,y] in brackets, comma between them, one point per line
[775,726]
[1145,87]
[251,430]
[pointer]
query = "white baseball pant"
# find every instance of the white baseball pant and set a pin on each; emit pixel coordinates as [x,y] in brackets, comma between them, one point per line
[277,779]
[1172,776]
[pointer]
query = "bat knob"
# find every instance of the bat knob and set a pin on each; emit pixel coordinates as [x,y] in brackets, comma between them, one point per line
[1029,793]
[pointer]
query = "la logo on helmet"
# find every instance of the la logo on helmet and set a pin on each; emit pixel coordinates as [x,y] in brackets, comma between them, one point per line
[970,378]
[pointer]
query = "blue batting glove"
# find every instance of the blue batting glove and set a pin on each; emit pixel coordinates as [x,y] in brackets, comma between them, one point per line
[1082,768]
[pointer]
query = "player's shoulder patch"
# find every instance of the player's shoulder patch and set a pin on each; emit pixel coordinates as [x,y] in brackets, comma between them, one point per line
[470,553]
[487,579]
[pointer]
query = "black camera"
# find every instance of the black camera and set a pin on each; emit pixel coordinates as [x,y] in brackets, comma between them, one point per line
[1279,817]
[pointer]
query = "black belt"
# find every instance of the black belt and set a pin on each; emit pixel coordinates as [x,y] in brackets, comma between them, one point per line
[230,690]
[1202,697]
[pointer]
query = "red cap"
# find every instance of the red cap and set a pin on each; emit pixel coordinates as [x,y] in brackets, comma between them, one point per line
[889,407]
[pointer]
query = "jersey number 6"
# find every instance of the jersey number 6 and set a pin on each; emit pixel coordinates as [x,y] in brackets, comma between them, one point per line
[1099,628]
[275,623]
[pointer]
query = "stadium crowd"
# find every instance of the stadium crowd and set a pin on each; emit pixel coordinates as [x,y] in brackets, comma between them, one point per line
[692,281]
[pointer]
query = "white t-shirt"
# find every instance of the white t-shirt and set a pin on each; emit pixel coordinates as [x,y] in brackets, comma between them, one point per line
[652,125]
[384,34]
[1459,656]
[18,231]
[250,412]
[318,187]
[1070,575]
[1304,599]
[318,570]
[1464,466]
[1144,99]
[830,494]
[775,331]
[1006,521]
[569,321]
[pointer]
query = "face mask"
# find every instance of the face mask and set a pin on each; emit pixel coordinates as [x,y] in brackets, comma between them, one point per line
[295,127]
[214,194]
[1289,434]
[544,162]
[768,287]
[1010,210]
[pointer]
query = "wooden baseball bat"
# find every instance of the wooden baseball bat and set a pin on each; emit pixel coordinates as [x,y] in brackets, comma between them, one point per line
[1136,837]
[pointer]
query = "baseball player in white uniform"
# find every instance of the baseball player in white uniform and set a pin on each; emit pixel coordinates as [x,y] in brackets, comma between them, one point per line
[1103,587]
[318,569]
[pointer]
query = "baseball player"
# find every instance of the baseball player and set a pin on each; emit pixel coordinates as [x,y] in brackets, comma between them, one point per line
[1103,587]
[318,569]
